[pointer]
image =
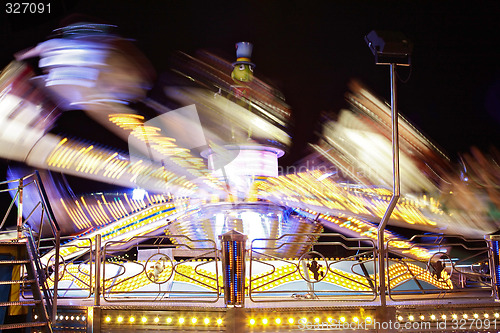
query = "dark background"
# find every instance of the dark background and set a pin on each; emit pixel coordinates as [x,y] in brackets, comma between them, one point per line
[310,50]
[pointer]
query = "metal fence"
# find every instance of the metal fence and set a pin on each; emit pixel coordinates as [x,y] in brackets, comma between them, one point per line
[313,276]
[453,267]
[76,272]
[166,268]
[42,219]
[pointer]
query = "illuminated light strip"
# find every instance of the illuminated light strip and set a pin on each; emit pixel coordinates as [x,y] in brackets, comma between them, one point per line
[103,212]
[65,156]
[95,217]
[152,136]
[304,189]
[135,203]
[111,206]
[135,166]
[122,167]
[117,208]
[58,155]
[143,204]
[111,167]
[92,162]
[79,217]
[78,153]
[71,215]
[128,201]
[54,155]
[99,212]
[125,212]
[157,214]
[131,221]
[149,199]
[83,160]
[82,214]
[106,161]
[123,170]
[117,167]
[115,217]
[96,164]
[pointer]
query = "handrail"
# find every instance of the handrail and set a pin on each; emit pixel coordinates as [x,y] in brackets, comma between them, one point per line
[25,231]
[396,187]
[43,194]
[41,277]
[56,230]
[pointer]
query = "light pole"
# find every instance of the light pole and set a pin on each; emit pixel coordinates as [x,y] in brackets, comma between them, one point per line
[393,49]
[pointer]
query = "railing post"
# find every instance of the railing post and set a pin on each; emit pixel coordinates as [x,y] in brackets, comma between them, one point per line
[494,262]
[20,209]
[97,285]
[395,189]
[56,274]
[233,267]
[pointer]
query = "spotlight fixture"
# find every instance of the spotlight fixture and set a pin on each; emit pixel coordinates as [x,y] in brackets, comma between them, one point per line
[389,47]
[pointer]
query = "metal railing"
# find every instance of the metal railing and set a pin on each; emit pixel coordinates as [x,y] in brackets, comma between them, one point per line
[163,274]
[312,268]
[454,267]
[171,271]
[76,273]
[41,216]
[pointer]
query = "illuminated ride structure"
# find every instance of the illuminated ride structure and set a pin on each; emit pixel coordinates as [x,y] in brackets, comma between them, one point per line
[208,235]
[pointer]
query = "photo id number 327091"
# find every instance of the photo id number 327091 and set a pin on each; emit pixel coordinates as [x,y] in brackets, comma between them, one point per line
[27,8]
[474,324]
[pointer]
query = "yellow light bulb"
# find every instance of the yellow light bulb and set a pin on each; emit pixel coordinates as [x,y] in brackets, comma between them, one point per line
[157,320]
[206,321]
[265,321]
[107,319]
[252,321]
[119,319]
[181,320]
[278,321]
[144,319]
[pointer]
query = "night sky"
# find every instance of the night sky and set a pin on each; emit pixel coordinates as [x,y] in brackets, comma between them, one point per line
[310,50]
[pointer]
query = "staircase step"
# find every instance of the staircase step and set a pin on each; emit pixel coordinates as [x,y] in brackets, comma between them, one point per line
[33,301]
[14,262]
[17,282]
[22,325]
[13,241]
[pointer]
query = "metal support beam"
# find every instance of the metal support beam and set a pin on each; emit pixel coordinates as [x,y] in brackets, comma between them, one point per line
[20,209]
[395,188]
[97,277]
